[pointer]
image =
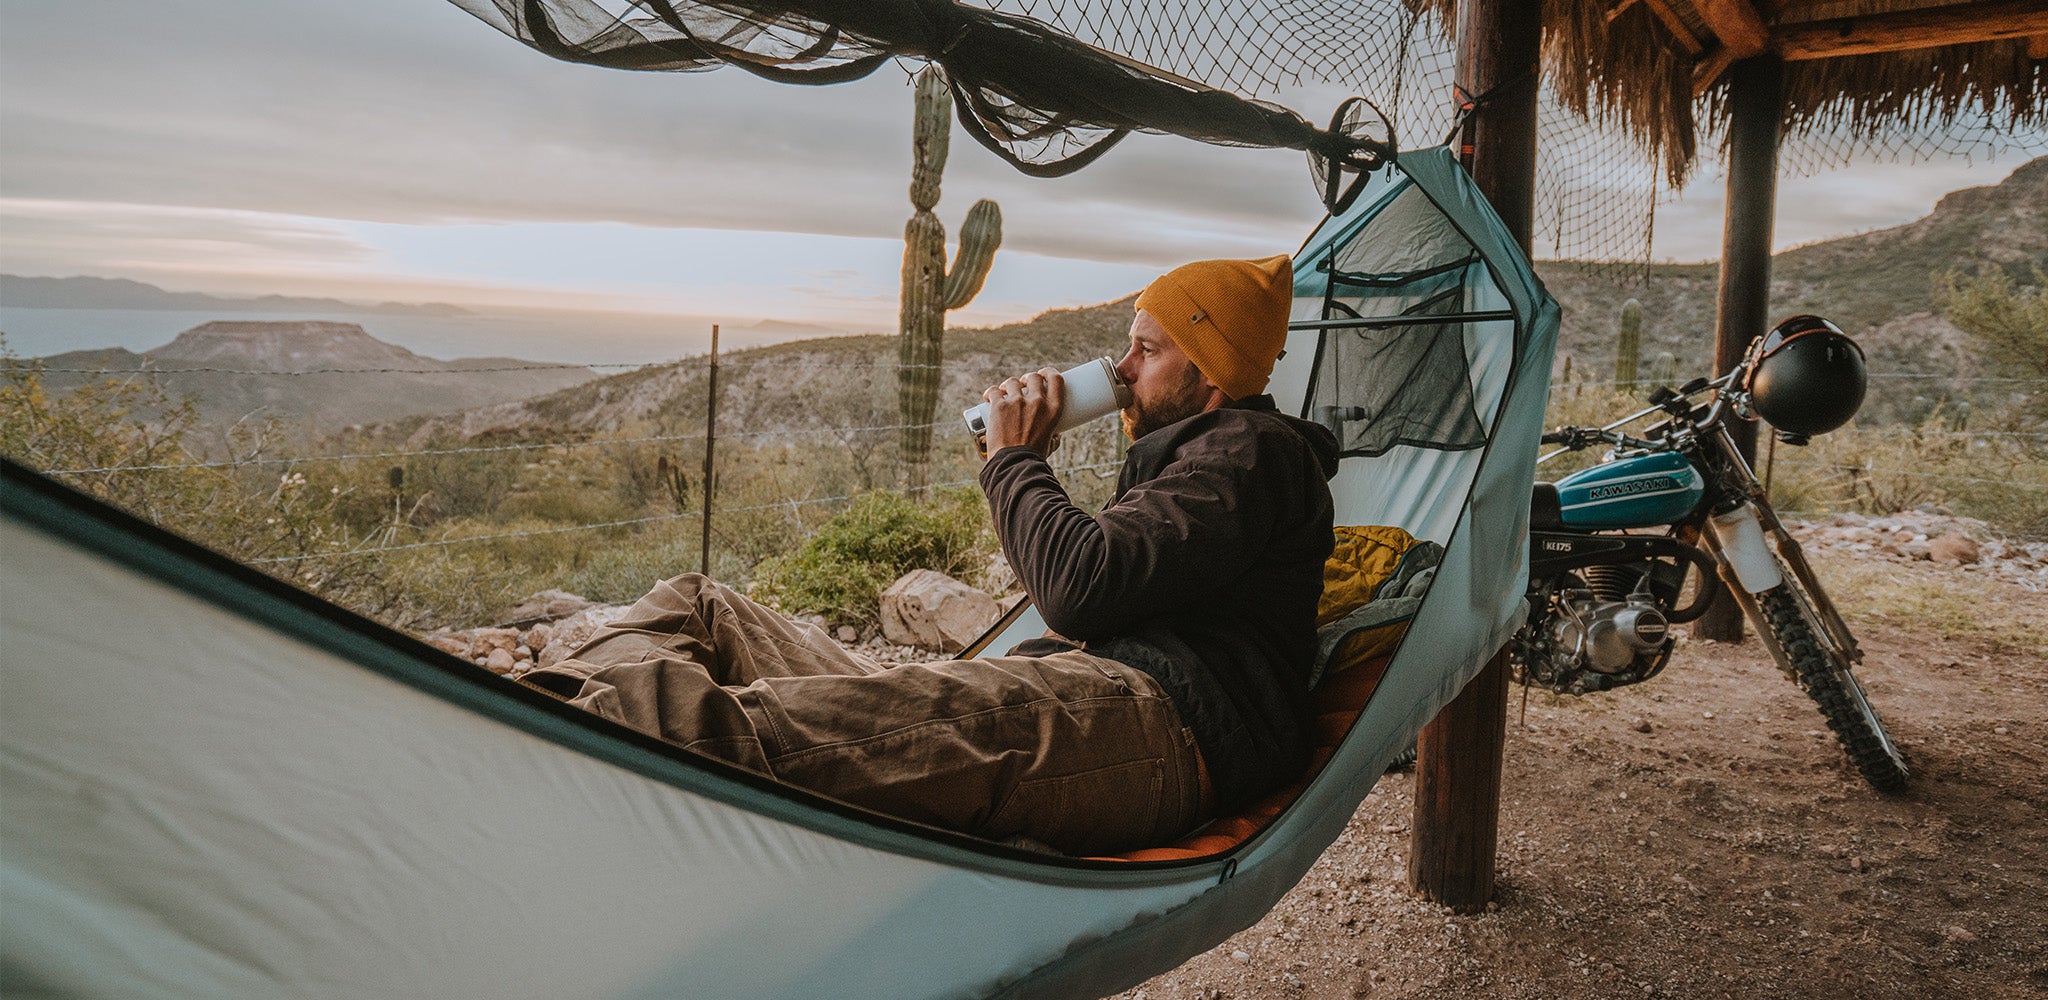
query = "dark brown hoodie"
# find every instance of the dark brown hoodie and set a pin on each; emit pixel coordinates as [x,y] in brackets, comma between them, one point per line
[1203,572]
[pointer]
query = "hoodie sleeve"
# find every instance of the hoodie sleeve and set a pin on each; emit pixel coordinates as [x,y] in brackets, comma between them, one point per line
[1201,520]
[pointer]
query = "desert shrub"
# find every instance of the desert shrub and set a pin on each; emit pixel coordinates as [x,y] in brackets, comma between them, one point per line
[618,572]
[288,520]
[564,503]
[1580,400]
[1997,475]
[841,570]
[2007,325]
[464,484]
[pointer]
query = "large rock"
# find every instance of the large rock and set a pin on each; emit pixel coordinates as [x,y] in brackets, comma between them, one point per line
[927,608]
[1954,547]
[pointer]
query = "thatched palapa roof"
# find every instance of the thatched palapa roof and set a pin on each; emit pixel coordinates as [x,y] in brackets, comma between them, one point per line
[1874,71]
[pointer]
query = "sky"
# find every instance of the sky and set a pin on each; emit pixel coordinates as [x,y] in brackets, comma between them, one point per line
[401,150]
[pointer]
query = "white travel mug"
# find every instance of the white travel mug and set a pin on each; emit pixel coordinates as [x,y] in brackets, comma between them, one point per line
[1093,390]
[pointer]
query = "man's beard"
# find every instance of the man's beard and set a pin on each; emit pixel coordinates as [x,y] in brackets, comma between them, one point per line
[1177,403]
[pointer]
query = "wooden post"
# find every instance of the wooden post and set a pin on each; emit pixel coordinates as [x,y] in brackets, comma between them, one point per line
[1457,794]
[1458,762]
[710,445]
[1756,109]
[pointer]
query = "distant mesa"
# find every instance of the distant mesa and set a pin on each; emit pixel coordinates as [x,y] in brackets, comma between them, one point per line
[323,374]
[24,292]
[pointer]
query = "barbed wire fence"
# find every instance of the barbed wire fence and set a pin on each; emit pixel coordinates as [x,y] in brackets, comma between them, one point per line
[285,466]
[790,432]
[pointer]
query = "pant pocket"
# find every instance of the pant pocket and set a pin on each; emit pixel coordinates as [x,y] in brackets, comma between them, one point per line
[1106,810]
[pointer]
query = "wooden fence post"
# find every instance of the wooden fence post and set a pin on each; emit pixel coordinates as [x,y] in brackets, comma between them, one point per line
[710,444]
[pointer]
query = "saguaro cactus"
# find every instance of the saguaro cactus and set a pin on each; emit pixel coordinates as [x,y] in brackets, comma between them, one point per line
[1664,370]
[929,287]
[1628,349]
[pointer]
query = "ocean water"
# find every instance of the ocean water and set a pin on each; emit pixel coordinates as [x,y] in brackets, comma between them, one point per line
[532,335]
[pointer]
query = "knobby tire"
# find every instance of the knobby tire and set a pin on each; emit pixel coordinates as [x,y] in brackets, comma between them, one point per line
[1840,697]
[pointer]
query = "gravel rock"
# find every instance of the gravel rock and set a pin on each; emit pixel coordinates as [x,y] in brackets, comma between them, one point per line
[1954,547]
[546,606]
[1930,534]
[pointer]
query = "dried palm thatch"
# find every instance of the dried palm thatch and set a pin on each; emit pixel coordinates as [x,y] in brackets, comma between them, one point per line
[1651,69]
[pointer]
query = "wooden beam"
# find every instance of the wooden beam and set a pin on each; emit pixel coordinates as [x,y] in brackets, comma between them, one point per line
[2037,47]
[1456,831]
[1680,32]
[1739,33]
[1900,31]
[1736,25]
[1706,71]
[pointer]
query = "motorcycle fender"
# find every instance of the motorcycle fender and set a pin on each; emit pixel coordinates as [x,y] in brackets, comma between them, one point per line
[1743,545]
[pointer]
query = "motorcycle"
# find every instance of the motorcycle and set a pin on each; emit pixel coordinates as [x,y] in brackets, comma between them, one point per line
[1612,547]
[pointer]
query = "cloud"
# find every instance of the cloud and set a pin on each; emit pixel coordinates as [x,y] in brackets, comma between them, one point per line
[73,237]
[327,141]
[1858,197]
[402,112]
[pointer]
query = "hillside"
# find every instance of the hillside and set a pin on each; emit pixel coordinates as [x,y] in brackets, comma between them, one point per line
[1880,286]
[321,400]
[832,382]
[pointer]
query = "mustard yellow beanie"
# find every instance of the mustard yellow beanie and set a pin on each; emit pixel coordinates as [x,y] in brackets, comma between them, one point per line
[1230,316]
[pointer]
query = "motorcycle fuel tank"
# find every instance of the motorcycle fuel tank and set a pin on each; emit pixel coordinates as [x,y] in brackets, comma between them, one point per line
[1634,492]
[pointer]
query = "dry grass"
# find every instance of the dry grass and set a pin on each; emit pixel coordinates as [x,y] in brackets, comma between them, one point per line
[1939,599]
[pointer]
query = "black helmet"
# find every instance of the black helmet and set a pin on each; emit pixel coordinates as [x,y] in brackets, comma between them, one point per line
[1806,376]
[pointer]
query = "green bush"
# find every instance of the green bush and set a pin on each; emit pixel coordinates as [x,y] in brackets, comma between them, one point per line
[841,570]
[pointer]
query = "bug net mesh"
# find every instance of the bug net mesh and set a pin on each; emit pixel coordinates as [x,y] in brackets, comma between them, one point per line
[1049,85]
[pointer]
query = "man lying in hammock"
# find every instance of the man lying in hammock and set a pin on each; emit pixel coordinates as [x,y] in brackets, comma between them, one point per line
[1174,683]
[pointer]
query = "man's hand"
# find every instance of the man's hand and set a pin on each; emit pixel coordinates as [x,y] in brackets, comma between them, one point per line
[1022,410]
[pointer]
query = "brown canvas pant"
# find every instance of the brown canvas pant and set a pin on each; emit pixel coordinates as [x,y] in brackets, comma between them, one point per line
[1073,751]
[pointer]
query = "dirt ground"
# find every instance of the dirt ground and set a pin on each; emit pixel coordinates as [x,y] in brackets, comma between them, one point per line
[1702,835]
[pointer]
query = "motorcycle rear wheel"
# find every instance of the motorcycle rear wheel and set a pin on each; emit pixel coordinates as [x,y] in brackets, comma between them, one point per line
[1830,684]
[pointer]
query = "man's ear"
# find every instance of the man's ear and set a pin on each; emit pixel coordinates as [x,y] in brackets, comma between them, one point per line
[1214,397]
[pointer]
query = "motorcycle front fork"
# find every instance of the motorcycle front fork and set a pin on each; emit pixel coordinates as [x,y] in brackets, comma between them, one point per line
[1806,585]
[1834,633]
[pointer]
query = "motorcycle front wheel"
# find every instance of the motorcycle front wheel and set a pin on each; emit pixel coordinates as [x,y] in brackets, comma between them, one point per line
[1827,680]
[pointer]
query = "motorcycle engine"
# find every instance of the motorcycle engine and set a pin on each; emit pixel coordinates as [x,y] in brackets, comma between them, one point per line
[1607,636]
[1593,635]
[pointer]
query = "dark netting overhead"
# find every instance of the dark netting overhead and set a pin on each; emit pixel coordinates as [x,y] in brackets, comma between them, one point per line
[1049,85]
[1030,94]
[1597,188]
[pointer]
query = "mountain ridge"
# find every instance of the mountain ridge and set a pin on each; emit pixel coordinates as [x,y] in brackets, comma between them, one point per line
[91,292]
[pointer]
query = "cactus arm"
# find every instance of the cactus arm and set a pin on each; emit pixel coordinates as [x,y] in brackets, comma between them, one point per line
[931,135]
[980,235]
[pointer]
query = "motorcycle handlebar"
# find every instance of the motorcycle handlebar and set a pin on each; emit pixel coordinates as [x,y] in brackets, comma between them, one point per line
[1580,437]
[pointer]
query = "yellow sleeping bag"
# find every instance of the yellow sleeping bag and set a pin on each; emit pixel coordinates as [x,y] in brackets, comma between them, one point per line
[1372,585]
